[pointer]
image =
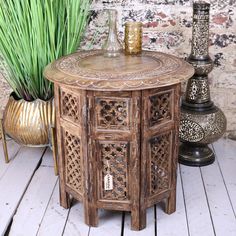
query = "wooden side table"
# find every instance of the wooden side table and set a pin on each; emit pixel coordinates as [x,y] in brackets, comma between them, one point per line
[117,128]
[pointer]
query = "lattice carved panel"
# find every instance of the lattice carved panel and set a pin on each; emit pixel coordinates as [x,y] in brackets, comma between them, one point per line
[112,113]
[70,107]
[160,151]
[160,108]
[114,159]
[73,161]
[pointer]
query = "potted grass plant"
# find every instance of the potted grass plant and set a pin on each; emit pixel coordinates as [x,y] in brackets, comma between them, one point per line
[32,34]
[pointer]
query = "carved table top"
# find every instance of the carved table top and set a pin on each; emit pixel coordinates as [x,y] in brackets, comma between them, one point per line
[92,71]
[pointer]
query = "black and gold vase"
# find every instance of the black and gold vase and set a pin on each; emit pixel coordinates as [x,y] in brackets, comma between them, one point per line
[201,121]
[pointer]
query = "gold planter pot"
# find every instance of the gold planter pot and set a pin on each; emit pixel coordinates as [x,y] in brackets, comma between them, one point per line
[28,123]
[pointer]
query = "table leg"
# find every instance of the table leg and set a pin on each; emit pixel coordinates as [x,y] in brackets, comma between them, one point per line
[90,214]
[54,149]
[170,205]
[138,219]
[64,197]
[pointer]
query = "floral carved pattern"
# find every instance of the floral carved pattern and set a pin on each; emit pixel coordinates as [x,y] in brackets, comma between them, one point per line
[198,90]
[202,129]
[161,108]
[69,70]
[114,158]
[190,131]
[200,30]
[159,163]
[200,41]
[73,159]
[112,114]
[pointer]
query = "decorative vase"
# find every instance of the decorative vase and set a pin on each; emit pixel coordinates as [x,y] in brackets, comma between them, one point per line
[201,122]
[133,38]
[112,47]
[28,123]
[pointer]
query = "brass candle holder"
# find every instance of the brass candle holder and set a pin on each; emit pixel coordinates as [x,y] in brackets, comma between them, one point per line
[133,38]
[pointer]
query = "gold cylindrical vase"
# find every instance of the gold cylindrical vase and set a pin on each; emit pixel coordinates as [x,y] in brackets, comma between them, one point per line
[133,38]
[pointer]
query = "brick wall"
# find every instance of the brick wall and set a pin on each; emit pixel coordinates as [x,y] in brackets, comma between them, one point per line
[167,28]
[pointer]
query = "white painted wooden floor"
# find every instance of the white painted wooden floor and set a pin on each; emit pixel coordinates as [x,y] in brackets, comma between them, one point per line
[29,200]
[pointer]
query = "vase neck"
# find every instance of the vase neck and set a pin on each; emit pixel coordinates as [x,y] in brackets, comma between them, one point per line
[200,31]
[112,34]
[112,46]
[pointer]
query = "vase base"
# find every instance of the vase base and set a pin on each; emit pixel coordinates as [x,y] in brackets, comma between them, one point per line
[190,155]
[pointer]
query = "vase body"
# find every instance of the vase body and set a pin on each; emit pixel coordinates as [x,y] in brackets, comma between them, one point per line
[28,123]
[201,121]
[112,46]
[133,38]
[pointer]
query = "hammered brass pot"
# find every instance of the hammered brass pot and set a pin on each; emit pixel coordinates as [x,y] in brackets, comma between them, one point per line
[28,123]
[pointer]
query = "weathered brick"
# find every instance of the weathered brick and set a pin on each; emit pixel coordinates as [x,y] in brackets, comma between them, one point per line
[230,116]
[223,39]
[222,4]
[158,2]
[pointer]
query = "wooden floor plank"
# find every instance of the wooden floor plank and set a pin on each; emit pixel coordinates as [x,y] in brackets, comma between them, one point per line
[198,215]
[213,186]
[35,200]
[109,224]
[54,220]
[149,230]
[176,223]
[13,149]
[14,183]
[219,203]
[48,160]
[75,225]
[226,156]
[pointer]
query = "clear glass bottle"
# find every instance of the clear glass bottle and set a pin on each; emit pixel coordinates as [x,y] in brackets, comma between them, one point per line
[112,47]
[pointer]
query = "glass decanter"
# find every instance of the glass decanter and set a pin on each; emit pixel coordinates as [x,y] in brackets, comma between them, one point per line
[112,46]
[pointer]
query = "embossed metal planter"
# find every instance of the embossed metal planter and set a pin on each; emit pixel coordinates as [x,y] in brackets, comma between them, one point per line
[201,122]
[28,123]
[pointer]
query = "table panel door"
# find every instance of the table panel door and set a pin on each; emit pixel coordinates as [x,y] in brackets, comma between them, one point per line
[114,134]
[159,139]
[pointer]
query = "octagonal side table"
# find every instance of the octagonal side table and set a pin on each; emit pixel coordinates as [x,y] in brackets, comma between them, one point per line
[117,129]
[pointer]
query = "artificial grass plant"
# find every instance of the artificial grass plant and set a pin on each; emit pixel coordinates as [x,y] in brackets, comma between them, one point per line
[33,33]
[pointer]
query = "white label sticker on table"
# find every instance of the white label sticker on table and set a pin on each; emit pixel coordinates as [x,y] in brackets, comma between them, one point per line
[108,182]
